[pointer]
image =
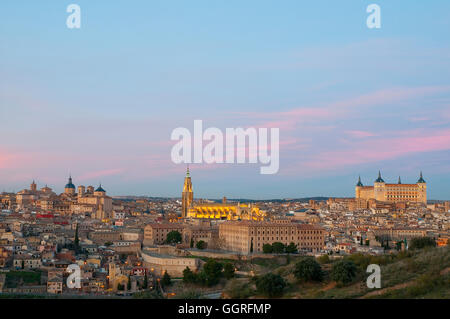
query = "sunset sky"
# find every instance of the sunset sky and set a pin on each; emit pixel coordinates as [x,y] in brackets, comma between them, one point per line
[101,102]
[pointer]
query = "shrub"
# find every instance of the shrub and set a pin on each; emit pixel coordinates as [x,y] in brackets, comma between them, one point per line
[200,244]
[324,259]
[228,270]
[344,271]
[308,269]
[166,280]
[270,285]
[278,248]
[173,237]
[422,242]
[267,248]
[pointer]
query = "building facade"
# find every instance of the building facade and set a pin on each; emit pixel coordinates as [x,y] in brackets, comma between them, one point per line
[386,192]
[246,236]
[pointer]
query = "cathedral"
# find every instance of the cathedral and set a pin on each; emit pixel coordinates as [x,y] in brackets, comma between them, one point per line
[223,211]
[386,192]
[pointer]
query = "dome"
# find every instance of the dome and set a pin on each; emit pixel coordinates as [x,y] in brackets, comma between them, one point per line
[100,189]
[70,184]
[421,180]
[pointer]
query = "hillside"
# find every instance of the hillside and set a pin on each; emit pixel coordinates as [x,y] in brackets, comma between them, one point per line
[421,273]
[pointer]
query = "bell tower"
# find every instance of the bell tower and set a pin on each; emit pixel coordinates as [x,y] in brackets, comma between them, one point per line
[187,196]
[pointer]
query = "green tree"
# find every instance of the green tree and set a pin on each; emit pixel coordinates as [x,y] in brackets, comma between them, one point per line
[270,285]
[308,269]
[267,248]
[145,284]
[129,283]
[278,248]
[422,242]
[189,276]
[76,241]
[291,248]
[343,271]
[174,237]
[212,272]
[200,244]
[228,270]
[166,280]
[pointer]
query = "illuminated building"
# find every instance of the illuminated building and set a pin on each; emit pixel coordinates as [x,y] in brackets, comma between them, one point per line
[224,210]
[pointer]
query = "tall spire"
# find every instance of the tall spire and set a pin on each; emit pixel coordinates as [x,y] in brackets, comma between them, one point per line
[399,180]
[359,181]
[421,180]
[379,179]
[187,171]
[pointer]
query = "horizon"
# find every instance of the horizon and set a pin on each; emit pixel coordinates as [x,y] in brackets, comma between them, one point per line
[100,102]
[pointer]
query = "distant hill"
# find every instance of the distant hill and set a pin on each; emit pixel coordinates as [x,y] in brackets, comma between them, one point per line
[242,200]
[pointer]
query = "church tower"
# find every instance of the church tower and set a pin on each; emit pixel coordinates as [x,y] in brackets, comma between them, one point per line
[422,185]
[69,188]
[187,195]
[380,188]
[33,187]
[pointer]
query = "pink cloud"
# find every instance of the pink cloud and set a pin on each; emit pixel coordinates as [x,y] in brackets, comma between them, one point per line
[381,149]
[290,120]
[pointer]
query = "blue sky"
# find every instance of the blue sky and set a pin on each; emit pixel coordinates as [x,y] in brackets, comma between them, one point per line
[101,102]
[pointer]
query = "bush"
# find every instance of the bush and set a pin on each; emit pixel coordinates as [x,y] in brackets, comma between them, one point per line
[308,269]
[344,271]
[212,271]
[200,244]
[270,285]
[239,290]
[154,294]
[166,280]
[267,248]
[324,259]
[291,248]
[173,237]
[422,242]
[188,276]
[278,248]
[228,271]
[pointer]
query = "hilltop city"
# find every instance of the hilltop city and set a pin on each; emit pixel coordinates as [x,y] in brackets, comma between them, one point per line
[127,246]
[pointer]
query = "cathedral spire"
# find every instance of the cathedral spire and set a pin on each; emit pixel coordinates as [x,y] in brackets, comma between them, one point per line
[379,179]
[399,180]
[421,180]
[359,181]
[187,171]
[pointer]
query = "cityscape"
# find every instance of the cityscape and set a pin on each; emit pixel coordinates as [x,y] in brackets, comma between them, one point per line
[199,248]
[224,158]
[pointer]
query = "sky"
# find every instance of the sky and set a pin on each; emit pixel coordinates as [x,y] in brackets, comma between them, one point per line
[100,102]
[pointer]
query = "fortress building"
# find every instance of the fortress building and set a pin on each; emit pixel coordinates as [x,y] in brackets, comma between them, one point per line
[223,211]
[385,192]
